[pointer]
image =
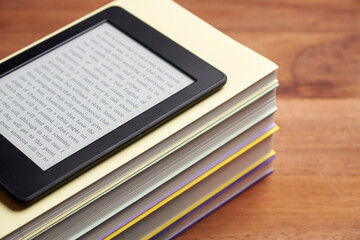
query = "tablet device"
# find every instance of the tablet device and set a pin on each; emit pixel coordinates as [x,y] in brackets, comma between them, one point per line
[90,90]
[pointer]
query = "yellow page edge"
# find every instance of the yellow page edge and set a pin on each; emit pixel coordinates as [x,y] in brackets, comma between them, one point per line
[200,178]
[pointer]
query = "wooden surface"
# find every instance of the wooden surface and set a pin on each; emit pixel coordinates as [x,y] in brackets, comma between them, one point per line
[314,192]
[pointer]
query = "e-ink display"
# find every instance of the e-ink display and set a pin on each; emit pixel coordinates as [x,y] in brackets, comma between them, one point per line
[73,95]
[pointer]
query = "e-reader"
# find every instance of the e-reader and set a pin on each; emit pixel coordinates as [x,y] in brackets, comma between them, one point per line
[89,91]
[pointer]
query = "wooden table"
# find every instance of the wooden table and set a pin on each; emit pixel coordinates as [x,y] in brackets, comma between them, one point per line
[314,192]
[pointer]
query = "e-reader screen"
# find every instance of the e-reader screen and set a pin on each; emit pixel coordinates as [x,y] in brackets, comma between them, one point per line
[80,91]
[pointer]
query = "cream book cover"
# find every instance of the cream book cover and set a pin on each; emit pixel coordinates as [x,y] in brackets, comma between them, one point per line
[242,66]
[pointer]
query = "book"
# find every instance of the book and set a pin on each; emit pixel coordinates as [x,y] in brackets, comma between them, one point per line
[250,78]
[113,207]
[193,193]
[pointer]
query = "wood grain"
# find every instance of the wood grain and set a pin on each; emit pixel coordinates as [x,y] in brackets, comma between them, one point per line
[314,192]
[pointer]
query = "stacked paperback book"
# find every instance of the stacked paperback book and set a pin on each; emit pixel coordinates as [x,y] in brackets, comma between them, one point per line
[177,174]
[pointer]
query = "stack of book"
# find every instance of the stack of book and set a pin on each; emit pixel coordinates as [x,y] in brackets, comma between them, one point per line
[182,171]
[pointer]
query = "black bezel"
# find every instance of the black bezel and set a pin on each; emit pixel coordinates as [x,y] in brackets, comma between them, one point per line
[26,182]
